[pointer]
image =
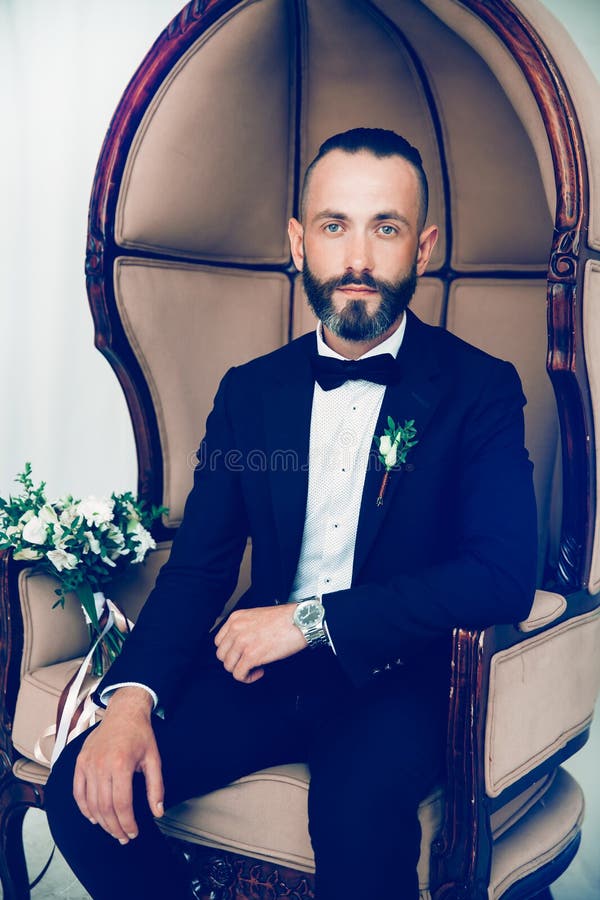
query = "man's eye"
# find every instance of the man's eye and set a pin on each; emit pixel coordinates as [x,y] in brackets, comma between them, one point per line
[333,227]
[387,229]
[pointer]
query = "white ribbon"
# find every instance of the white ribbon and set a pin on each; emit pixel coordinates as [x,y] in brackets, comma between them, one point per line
[88,713]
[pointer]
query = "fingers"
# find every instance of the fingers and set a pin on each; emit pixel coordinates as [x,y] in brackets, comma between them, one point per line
[253,675]
[155,790]
[80,794]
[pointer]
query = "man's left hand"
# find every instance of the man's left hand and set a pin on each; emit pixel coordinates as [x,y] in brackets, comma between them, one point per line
[251,638]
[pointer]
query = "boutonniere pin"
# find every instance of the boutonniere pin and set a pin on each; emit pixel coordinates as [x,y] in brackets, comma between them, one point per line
[393,447]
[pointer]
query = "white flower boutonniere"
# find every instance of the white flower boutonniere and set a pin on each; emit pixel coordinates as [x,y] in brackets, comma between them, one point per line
[393,447]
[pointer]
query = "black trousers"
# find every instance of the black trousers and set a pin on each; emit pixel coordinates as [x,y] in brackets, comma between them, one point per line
[373,755]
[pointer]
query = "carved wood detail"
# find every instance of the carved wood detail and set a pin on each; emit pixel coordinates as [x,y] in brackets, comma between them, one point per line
[219,875]
[566,363]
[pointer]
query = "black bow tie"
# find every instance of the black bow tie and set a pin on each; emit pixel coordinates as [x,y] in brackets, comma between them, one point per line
[331,373]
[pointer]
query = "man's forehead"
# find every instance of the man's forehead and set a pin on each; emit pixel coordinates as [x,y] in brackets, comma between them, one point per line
[362,176]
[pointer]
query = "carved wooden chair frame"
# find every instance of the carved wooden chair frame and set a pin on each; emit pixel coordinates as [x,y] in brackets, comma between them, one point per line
[461,854]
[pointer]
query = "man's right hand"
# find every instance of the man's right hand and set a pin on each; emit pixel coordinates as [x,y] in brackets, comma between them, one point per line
[121,745]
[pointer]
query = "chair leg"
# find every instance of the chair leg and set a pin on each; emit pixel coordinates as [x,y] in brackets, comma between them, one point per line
[16,797]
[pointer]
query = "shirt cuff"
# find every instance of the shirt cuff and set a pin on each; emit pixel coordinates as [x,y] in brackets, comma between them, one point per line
[331,644]
[109,691]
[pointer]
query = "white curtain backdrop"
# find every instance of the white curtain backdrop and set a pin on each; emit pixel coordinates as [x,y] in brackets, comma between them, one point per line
[63,67]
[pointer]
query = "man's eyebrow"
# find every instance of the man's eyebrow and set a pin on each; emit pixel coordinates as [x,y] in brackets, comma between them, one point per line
[331,214]
[392,214]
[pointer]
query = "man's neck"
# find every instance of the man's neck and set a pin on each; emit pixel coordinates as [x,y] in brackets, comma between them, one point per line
[355,349]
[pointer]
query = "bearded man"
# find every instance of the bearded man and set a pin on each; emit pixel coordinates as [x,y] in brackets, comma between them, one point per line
[359,574]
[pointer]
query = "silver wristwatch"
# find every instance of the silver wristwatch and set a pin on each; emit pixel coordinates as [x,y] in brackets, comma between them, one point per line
[309,616]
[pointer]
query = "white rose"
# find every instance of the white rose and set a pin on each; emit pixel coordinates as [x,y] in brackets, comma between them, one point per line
[96,510]
[12,531]
[28,553]
[144,542]
[29,514]
[61,559]
[93,542]
[68,515]
[390,456]
[48,515]
[35,531]
[385,445]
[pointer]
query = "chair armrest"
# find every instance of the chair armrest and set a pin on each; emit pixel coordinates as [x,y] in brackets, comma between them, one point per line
[512,692]
[547,607]
[541,695]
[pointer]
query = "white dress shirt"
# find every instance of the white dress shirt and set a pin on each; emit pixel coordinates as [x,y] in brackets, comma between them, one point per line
[342,427]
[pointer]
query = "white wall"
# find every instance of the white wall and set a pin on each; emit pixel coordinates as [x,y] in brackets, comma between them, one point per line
[63,68]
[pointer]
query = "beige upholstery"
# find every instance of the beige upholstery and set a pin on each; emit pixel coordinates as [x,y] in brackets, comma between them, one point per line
[173,312]
[540,837]
[242,816]
[508,319]
[533,710]
[396,101]
[492,226]
[547,607]
[192,147]
[591,336]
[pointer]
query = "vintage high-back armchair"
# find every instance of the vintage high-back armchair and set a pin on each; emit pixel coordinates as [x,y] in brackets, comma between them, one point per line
[189,272]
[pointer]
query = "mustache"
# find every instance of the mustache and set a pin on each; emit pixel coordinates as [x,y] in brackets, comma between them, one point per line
[364,280]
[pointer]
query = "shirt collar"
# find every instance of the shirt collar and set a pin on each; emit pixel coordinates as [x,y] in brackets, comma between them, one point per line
[391,344]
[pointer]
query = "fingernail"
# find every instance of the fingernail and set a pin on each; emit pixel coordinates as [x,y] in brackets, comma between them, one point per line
[123,841]
[132,836]
[160,807]
[93,822]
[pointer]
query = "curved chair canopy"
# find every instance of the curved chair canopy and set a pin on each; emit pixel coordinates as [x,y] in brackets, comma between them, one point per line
[201,169]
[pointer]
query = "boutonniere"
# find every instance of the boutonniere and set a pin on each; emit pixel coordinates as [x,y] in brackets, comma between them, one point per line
[393,447]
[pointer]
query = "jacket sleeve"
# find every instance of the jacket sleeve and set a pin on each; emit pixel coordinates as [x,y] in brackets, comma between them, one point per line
[200,575]
[490,577]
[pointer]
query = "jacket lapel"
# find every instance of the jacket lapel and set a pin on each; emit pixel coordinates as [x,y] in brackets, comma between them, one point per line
[417,397]
[287,411]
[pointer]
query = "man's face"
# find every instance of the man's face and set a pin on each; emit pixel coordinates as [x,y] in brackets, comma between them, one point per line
[359,247]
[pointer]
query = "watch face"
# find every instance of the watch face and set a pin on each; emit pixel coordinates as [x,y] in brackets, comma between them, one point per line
[309,614]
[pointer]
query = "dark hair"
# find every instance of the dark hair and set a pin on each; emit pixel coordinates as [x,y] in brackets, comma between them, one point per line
[381,143]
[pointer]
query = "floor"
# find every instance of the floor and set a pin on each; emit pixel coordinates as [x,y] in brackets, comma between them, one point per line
[580,882]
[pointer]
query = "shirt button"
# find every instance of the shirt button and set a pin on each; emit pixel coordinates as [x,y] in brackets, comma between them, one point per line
[327,580]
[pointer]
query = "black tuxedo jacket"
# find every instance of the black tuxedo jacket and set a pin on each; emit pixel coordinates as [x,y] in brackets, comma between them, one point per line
[453,544]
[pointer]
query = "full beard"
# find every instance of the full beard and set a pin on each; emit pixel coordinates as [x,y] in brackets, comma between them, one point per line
[354,322]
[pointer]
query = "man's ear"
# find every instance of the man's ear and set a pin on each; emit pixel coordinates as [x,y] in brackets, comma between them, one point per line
[296,236]
[427,241]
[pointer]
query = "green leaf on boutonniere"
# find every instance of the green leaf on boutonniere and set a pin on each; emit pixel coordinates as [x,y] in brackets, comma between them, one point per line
[393,447]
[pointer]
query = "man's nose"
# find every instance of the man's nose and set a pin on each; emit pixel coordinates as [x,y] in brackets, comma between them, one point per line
[359,256]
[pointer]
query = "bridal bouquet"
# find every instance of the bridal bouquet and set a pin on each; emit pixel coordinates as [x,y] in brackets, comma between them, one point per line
[84,544]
